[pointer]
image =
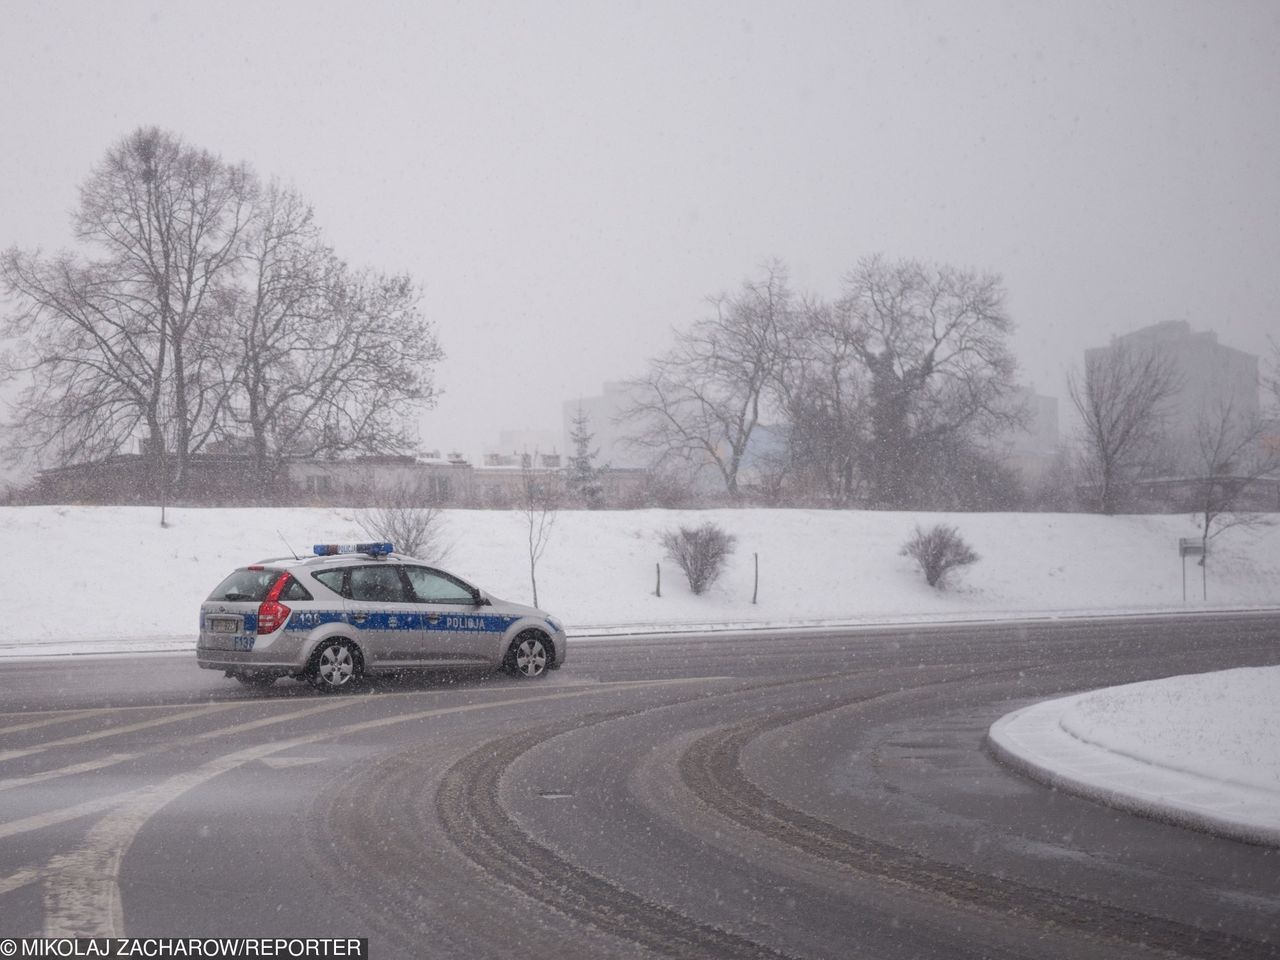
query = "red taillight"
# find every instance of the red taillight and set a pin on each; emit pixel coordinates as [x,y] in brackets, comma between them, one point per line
[271,612]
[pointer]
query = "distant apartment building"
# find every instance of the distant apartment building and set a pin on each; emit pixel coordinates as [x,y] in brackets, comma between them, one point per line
[1032,447]
[1213,378]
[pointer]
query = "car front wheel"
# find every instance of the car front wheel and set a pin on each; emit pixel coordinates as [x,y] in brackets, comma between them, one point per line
[335,666]
[529,656]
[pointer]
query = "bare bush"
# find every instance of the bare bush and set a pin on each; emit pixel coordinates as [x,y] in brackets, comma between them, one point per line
[405,517]
[701,552]
[938,550]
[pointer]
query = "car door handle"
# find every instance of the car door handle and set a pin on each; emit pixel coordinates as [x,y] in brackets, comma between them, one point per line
[433,618]
[359,617]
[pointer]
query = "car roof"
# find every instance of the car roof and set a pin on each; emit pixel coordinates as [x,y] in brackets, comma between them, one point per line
[335,560]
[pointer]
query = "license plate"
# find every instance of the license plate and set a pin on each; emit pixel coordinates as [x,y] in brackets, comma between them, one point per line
[225,641]
[224,624]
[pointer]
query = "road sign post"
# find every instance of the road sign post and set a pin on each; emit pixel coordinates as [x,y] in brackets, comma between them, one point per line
[1191,547]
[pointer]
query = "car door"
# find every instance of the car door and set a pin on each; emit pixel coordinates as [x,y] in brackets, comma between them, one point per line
[455,627]
[388,624]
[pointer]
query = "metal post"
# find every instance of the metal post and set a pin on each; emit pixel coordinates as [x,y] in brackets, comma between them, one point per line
[755,589]
[1184,578]
[658,591]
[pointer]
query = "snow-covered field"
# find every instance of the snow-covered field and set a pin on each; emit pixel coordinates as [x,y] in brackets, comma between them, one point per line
[1202,750]
[110,579]
[97,577]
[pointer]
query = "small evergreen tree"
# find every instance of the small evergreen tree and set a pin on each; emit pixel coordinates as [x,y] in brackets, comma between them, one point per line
[584,476]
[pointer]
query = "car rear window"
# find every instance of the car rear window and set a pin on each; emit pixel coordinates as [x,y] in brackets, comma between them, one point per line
[245,585]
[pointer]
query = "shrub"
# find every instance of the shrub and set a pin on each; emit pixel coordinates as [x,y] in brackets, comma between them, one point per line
[405,517]
[701,552]
[938,550]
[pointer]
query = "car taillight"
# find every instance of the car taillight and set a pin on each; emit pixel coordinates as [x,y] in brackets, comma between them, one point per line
[271,612]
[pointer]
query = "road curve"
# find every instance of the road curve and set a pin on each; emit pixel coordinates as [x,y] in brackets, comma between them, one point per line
[813,794]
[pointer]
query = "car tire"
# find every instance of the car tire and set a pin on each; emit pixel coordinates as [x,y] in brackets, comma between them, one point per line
[335,665]
[529,656]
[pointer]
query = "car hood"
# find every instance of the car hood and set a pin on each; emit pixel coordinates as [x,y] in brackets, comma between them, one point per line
[520,609]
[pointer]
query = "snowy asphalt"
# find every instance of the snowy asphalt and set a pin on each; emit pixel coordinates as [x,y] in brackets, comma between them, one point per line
[825,795]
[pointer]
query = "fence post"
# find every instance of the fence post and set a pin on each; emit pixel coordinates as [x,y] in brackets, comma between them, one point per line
[658,591]
[755,588]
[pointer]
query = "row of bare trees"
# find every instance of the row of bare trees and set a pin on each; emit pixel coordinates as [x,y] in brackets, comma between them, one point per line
[885,394]
[1126,398]
[204,304]
[898,392]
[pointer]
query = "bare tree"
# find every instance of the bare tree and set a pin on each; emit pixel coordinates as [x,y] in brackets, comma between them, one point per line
[130,339]
[1273,382]
[703,401]
[540,504]
[1122,400]
[822,390]
[934,342]
[1231,454]
[328,360]
[209,306]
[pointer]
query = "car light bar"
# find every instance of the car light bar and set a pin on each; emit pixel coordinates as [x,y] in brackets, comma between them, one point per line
[372,549]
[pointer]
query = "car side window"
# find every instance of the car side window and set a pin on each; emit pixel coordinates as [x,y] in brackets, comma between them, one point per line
[379,584]
[332,579]
[431,586]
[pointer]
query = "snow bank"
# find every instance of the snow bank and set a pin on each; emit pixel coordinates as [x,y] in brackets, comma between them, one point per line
[112,576]
[1200,750]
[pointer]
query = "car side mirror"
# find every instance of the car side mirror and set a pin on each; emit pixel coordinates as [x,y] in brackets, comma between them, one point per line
[482,599]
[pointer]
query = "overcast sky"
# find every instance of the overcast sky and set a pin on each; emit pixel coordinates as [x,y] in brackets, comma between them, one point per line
[568,181]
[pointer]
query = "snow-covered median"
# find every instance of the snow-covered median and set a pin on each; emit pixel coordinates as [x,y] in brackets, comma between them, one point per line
[1200,750]
[78,579]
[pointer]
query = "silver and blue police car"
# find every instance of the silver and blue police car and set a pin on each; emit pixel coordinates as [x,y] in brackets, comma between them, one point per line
[358,609]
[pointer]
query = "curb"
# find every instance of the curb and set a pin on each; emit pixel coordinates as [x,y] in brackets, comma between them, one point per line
[1006,741]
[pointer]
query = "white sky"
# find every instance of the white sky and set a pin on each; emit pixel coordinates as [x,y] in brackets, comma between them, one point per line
[570,180]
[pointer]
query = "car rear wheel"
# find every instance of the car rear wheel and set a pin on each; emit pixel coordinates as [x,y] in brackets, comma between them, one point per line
[335,665]
[529,656]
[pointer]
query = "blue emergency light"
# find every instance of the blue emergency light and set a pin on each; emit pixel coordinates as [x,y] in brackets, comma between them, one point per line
[372,549]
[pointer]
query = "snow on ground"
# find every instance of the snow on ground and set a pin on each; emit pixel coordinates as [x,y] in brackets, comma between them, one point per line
[1205,751]
[82,578]
[1200,750]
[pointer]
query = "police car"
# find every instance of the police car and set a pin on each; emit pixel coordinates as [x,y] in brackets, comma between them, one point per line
[357,609]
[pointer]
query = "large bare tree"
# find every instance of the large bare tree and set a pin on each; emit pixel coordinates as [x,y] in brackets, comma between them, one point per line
[823,396]
[1122,399]
[703,401]
[327,359]
[934,342]
[130,337]
[208,306]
